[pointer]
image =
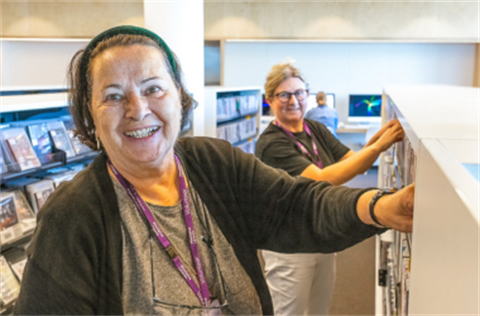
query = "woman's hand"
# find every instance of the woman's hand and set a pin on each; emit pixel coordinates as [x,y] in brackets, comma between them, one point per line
[393,210]
[391,135]
[391,124]
[396,210]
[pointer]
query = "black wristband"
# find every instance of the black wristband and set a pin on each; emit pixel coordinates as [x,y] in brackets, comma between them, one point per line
[374,201]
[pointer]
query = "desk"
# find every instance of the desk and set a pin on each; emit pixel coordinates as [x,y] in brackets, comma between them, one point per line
[356,136]
[357,129]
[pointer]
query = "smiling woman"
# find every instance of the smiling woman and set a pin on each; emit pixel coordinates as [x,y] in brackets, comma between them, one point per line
[167,226]
[302,284]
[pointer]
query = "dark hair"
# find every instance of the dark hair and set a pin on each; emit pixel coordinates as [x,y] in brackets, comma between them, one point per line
[80,82]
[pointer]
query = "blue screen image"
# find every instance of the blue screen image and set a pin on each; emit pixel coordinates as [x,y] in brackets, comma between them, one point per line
[365,105]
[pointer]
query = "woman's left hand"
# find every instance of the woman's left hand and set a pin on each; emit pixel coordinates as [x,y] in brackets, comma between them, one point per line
[391,210]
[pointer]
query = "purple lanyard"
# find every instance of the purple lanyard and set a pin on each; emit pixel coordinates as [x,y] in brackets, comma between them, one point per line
[300,145]
[203,294]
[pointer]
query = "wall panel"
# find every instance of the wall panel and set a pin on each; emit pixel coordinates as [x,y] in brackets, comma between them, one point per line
[404,20]
[66,18]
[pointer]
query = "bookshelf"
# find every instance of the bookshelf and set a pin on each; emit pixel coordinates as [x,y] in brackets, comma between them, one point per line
[233,114]
[434,270]
[22,108]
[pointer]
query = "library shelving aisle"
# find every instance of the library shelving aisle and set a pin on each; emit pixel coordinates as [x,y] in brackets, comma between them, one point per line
[435,269]
[233,114]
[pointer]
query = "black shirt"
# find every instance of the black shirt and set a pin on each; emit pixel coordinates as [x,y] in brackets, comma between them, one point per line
[277,149]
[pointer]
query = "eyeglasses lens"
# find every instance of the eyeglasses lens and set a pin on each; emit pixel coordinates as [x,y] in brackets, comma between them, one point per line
[285,96]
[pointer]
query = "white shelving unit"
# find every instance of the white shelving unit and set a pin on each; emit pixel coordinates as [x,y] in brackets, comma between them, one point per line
[442,128]
[233,114]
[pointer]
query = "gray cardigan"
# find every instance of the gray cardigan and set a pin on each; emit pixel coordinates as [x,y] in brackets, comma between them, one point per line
[74,260]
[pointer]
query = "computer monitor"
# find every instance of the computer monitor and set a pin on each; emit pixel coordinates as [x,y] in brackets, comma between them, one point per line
[365,108]
[312,101]
[265,107]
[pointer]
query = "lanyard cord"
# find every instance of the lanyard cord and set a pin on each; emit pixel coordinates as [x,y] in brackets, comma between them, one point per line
[202,293]
[304,150]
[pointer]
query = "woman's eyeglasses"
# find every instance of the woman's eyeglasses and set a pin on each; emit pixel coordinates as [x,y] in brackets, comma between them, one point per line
[285,96]
[207,310]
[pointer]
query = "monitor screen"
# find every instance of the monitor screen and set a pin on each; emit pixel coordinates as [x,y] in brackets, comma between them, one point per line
[312,101]
[365,108]
[265,107]
[331,100]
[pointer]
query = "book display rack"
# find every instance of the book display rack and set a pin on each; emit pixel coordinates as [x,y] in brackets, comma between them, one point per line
[435,269]
[38,151]
[233,114]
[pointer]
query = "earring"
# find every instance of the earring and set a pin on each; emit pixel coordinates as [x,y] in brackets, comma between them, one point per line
[98,143]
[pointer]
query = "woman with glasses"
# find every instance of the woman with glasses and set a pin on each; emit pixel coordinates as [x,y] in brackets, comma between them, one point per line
[158,225]
[302,283]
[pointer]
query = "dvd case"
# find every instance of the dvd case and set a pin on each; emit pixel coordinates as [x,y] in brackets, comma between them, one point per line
[8,212]
[40,141]
[20,148]
[80,148]
[10,228]
[39,192]
[3,165]
[17,258]
[9,286]
[59,138]
[18,268]
[26,216]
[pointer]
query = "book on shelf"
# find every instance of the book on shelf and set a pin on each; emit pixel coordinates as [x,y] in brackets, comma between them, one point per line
[226,108]
[20,148]
[247,104]
[60,138]
[9,285]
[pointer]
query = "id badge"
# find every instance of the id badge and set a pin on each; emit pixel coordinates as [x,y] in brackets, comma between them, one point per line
[213,311]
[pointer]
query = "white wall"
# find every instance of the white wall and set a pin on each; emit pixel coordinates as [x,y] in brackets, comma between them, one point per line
[180,24]
[26,63]
[349,68]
